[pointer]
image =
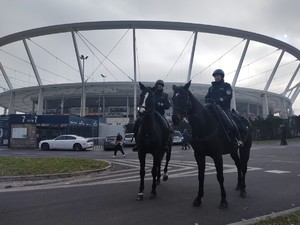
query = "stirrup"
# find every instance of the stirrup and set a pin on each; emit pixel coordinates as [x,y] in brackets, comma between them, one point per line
[238,143]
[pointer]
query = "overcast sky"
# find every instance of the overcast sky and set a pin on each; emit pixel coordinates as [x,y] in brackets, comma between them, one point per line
[275,18]
[270,17]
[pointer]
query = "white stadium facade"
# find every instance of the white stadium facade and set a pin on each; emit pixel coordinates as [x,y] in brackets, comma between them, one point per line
[48,93]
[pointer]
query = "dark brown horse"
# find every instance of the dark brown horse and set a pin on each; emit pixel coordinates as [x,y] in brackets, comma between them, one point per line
[209,139]
[151,139]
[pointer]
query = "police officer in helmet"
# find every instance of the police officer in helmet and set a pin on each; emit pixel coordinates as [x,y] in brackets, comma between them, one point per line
[161,98]
[161,101]
[220,94]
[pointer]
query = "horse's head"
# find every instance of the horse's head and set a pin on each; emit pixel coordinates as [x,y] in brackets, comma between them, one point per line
[181,102]
[146,103]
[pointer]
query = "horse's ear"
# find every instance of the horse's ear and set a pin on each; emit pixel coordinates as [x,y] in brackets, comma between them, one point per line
[187,85]
[142,87]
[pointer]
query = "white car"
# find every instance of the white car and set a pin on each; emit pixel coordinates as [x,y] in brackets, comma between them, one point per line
[129,140]
[177,138]
[68,141]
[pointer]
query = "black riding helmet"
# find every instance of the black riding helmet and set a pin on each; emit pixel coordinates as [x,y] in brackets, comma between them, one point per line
[220,72]
[160,82]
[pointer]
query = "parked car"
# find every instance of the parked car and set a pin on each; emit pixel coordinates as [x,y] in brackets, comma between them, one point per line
[177,138]
[68,141]
[127,140]
[109,143]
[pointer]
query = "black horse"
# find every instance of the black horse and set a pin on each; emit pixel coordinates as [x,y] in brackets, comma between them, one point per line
[151,139]
[209,139]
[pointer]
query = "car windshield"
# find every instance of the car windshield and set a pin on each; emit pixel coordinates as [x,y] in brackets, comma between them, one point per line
[110,138]
[128,135]
[177,133]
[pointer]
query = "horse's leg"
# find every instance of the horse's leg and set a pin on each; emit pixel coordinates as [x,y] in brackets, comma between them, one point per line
[168,157]
[244,157]
[201,169]
[237,163]
[142,159]
[219,167]
[154,171]
[158,175]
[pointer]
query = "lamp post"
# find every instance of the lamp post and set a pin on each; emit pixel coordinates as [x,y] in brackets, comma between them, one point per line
[103,100]
[82,111]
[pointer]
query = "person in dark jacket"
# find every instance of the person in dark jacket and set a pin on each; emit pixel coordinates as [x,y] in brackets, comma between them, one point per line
[220,94]
[283,135]
[118,145]
[161,98]
[185,140]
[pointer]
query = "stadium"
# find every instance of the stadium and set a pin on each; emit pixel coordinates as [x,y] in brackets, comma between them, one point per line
[92,69]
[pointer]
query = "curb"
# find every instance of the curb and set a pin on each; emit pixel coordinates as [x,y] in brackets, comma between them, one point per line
[261,218]
[52,176]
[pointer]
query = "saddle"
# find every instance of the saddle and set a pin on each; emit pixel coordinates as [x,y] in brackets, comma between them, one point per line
[236,120]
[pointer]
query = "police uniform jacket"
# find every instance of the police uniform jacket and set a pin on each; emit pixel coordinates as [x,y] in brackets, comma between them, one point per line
[161,102]
[220,93]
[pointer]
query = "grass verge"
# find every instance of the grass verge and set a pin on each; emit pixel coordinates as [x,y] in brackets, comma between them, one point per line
[287,219]
[12,166]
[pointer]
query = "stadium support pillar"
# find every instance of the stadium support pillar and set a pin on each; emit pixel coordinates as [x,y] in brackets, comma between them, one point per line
[134,81]
[283,110]
[127,106]
[192,57]
[62,105]
[11,107]
[265,108]
[233,101]
[40,106]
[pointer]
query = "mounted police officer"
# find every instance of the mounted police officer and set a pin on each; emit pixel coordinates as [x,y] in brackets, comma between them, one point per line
[162,103]
[161,98]
[220,94]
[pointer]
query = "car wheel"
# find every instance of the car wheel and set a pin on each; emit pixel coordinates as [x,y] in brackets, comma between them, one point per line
[45,146]
[77,147]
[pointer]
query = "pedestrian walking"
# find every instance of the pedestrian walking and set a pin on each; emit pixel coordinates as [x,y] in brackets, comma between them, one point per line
[283,135]
[119,145]
[185,140]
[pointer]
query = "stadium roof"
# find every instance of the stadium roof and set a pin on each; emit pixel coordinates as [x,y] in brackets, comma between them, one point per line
[278,79]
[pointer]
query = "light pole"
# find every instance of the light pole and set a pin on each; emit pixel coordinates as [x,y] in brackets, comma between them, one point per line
[82,111]
[103,100]
[82,57]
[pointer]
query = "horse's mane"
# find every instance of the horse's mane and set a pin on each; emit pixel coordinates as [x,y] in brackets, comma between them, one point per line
[194,101]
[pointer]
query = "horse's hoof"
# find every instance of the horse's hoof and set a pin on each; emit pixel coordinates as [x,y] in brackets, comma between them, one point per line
[223,205]
[139,196]
[196,203]
[243,194]
[153,196]
[165,178]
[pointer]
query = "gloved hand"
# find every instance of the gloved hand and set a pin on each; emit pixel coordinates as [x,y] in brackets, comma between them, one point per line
[220,101]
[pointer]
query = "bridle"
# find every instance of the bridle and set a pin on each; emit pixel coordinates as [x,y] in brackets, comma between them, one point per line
[184,110]
[143,109]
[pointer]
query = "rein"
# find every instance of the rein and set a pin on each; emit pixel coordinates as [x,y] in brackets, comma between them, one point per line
[186,114]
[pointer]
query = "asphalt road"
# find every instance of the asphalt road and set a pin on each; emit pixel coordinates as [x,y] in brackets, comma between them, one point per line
[273,185]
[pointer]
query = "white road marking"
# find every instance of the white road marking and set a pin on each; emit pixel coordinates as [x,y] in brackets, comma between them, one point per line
[277,171]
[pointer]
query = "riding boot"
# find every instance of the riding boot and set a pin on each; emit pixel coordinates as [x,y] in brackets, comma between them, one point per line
[230,126]
[166,128]
[235,142]
[237,135]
